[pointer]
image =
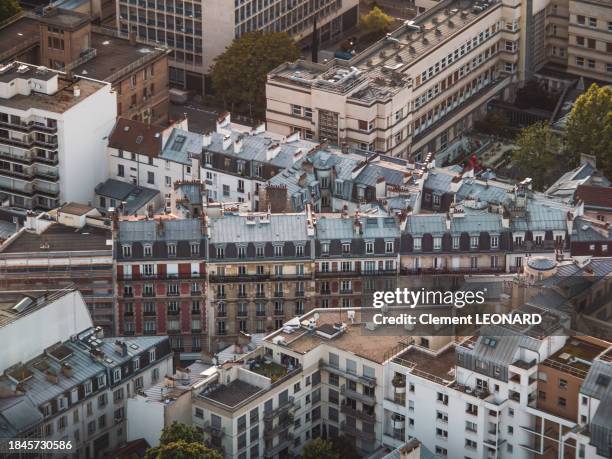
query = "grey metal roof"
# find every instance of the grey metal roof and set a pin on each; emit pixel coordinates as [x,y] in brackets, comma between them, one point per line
[343,228]
[235,228]
[594,384]
[373,171]
[181,145]
[474,222]
[438,181]
[541,263]
[503,352]
[480,191]
[17,414]
[541,216]
[173,230]
[403,201]
[135,346]
[421,224]
[135,197]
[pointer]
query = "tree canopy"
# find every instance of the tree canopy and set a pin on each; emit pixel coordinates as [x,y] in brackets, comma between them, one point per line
[9,8]
[180,432]
[376,22]
[589,127]
[538,154]
[319,449]
[239,74]
[182,450]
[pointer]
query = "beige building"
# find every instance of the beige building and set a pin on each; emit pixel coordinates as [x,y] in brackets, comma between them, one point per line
[412,92]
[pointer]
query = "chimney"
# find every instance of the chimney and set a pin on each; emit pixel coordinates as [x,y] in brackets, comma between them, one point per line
[273,151]
[76,91]
[227,141]
[207,139]
[223,122]
[67,370]
[52,377]
[238,144]
[357,227]
[259,129]
[121,348]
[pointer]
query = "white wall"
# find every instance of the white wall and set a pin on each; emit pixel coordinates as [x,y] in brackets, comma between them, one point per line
[24,339]
[82,137]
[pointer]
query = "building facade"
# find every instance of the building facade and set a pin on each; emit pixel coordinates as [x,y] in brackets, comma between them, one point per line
[49,137]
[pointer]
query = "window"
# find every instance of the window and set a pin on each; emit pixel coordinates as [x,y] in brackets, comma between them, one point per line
[151,178]
[299,251]
[127,251]
[389,247]
[455,242]
[369,247]
[417,243]
[474,242]
[437,243]
[494,242]
[148,250]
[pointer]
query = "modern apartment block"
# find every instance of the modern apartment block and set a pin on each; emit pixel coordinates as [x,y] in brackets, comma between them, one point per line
[49,136]
[197,33]
[160,268]
[412,92]
[579,38]
[67,382]
[68,249]
[67,40]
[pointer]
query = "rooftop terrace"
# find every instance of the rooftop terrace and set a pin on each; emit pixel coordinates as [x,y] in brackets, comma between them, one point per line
[437,368]
[575,357]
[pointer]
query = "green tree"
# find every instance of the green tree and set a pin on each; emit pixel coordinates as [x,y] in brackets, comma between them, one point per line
[239,74]
[319,449]
[494,122]
[180,432]
[9,8]
[537,155]
[182,450]
[376,22]
[589,127]
[344,446]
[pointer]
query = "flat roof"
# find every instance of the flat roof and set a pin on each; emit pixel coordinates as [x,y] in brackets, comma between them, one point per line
[113,54]
[61,101]
[575,356]
[232,394]
[60,238]
[438,368]
[374,345]
[15,33]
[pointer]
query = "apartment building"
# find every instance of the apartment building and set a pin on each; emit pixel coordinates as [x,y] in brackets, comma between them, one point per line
[48,136]
[236,162]
[412,92]
[197,33]
[70,383]
[579,38]
[153,157]
[354,257]
[66,40]
[260,272]
[160,281]
[66,248]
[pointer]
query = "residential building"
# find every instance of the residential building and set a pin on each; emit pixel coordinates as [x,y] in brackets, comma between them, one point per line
[65,39]
[49,136]
[411,93]
[126,198]
[260,272]
[152,157]
[70,383]
[160,268]
[355,256]
[68,248]
[197,33]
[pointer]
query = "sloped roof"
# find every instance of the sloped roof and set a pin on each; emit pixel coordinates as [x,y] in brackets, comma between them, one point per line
[136,137]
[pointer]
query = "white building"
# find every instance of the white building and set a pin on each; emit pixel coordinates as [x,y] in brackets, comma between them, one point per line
[70,383]
[53,134]
[153,157]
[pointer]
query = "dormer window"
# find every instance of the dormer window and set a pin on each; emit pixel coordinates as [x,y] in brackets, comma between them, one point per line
[195,248]
[299,250]
[116,374]
[171,250]
[455,242]
[494,242]
[325,248]
[389,247]
[417,243]
[437,243]
[241,252]
[148,250]
[278,250]
[126,250]
[220,252]
[474,242]
[369,247]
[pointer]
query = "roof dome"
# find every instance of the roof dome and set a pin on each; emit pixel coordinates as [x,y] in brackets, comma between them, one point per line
[541,264]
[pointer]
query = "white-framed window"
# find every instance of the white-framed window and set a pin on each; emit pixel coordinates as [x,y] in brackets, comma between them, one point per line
[456,240]
[474,242]
[417,243]
[278,250]
[494,242]
[299,250]
[370,247]
[88,387]
[148,250]
[437,243]
[388,246]
[136,363]
[126,250]
[171,249]
[116,374]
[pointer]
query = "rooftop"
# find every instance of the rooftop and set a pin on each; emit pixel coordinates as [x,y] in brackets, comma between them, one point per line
[15,33]
[60,238]
[133,197]
[114,54]
[595,196]
[232,394]
[263,228]
[381,70]
[576,356]
[150,230]
[371,345]
[439,368]
[136,137]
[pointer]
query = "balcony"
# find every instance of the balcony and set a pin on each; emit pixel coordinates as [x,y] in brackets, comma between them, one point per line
[285,406]
[148,294]
[29,127]
[278,294]
[149,332]
[355,432]
[216,431]
[370,400]
[284,443]
[365,380]
[195,293]
[350,411]
[46,176]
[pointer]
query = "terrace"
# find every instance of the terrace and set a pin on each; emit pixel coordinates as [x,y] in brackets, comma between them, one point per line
[575,357]
[437,368]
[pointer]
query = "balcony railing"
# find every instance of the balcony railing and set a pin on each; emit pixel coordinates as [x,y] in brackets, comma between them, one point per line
[286,405]
[370,400]
[365,380]
[354,431]
[217,431]
[350,411]
[285,442]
